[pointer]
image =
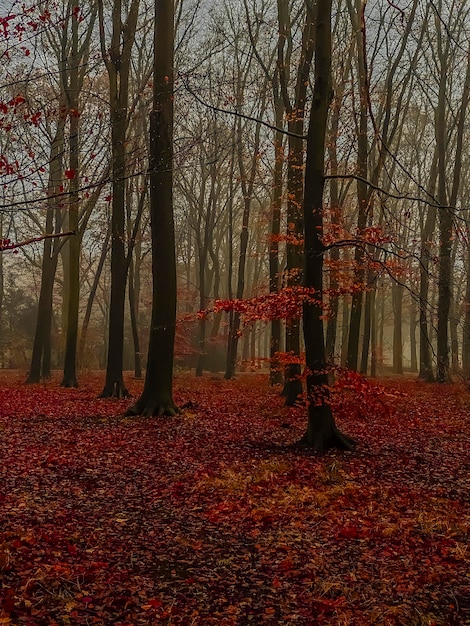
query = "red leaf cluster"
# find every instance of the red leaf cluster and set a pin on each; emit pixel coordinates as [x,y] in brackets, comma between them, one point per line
[285,304]
[6,167]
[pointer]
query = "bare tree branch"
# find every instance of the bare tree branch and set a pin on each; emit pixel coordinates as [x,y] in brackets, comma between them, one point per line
[388,193]
[27,242]
[241,115]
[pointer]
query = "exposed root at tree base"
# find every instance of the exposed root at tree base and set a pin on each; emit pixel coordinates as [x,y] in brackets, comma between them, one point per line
[153,409]
[116,389]
[426,378]
[69,384]
[321,442]
[34,379]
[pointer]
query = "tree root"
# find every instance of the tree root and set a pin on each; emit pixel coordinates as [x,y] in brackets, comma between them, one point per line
[148,408]
[320,442]
[69,383]
[116,389]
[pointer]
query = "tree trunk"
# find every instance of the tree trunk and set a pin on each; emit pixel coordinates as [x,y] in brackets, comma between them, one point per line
[335,208]
[246,347]
[40,358]
[292,377]
[253,346]
[397,305]
[117,60]
[425,353]
[203,249]
[157,395]
[133,310]
[76,64]
[363,197]
[134,234]
[367,331]
[212,348]
[247,187]
[466,322]
[70,359]
[41,354]
[91,297]
[345,315]
[73,88]
[275,373]
[322,432]
[454,341]
[295,110]
[114,384]
[413,324]
[457,171]
[446,213]
[373,337]
[445,240]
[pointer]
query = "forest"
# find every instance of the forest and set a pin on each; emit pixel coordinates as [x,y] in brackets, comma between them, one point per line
[234,312]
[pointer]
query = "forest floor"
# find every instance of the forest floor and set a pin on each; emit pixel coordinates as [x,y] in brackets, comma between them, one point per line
[212,518]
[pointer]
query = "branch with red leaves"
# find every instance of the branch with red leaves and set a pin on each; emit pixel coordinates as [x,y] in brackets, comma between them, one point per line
[6,244]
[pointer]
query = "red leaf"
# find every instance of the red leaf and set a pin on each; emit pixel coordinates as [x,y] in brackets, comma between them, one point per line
[18,100]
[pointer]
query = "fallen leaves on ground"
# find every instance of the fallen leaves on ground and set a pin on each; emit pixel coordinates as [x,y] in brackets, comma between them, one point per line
[213,518]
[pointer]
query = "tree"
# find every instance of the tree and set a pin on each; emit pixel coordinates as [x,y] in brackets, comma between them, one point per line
[321,432]
[41,355]
[295,111]
[118,62]
[446,212]
[363,196]
[157,395]
[247,182]
[273,77]
[337,192]
[55,130]
[73,77]
[91,296]
[203,187]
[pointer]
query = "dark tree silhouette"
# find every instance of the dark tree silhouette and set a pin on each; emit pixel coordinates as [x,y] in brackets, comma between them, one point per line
[157,394]
[118,63]
[321,433]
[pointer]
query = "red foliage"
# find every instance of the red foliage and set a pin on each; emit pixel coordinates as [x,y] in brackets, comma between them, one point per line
[15,107]
[6,167]
[354,392]
[336,234]
[183,339]
[211,518]
[5,24]
[285,304]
